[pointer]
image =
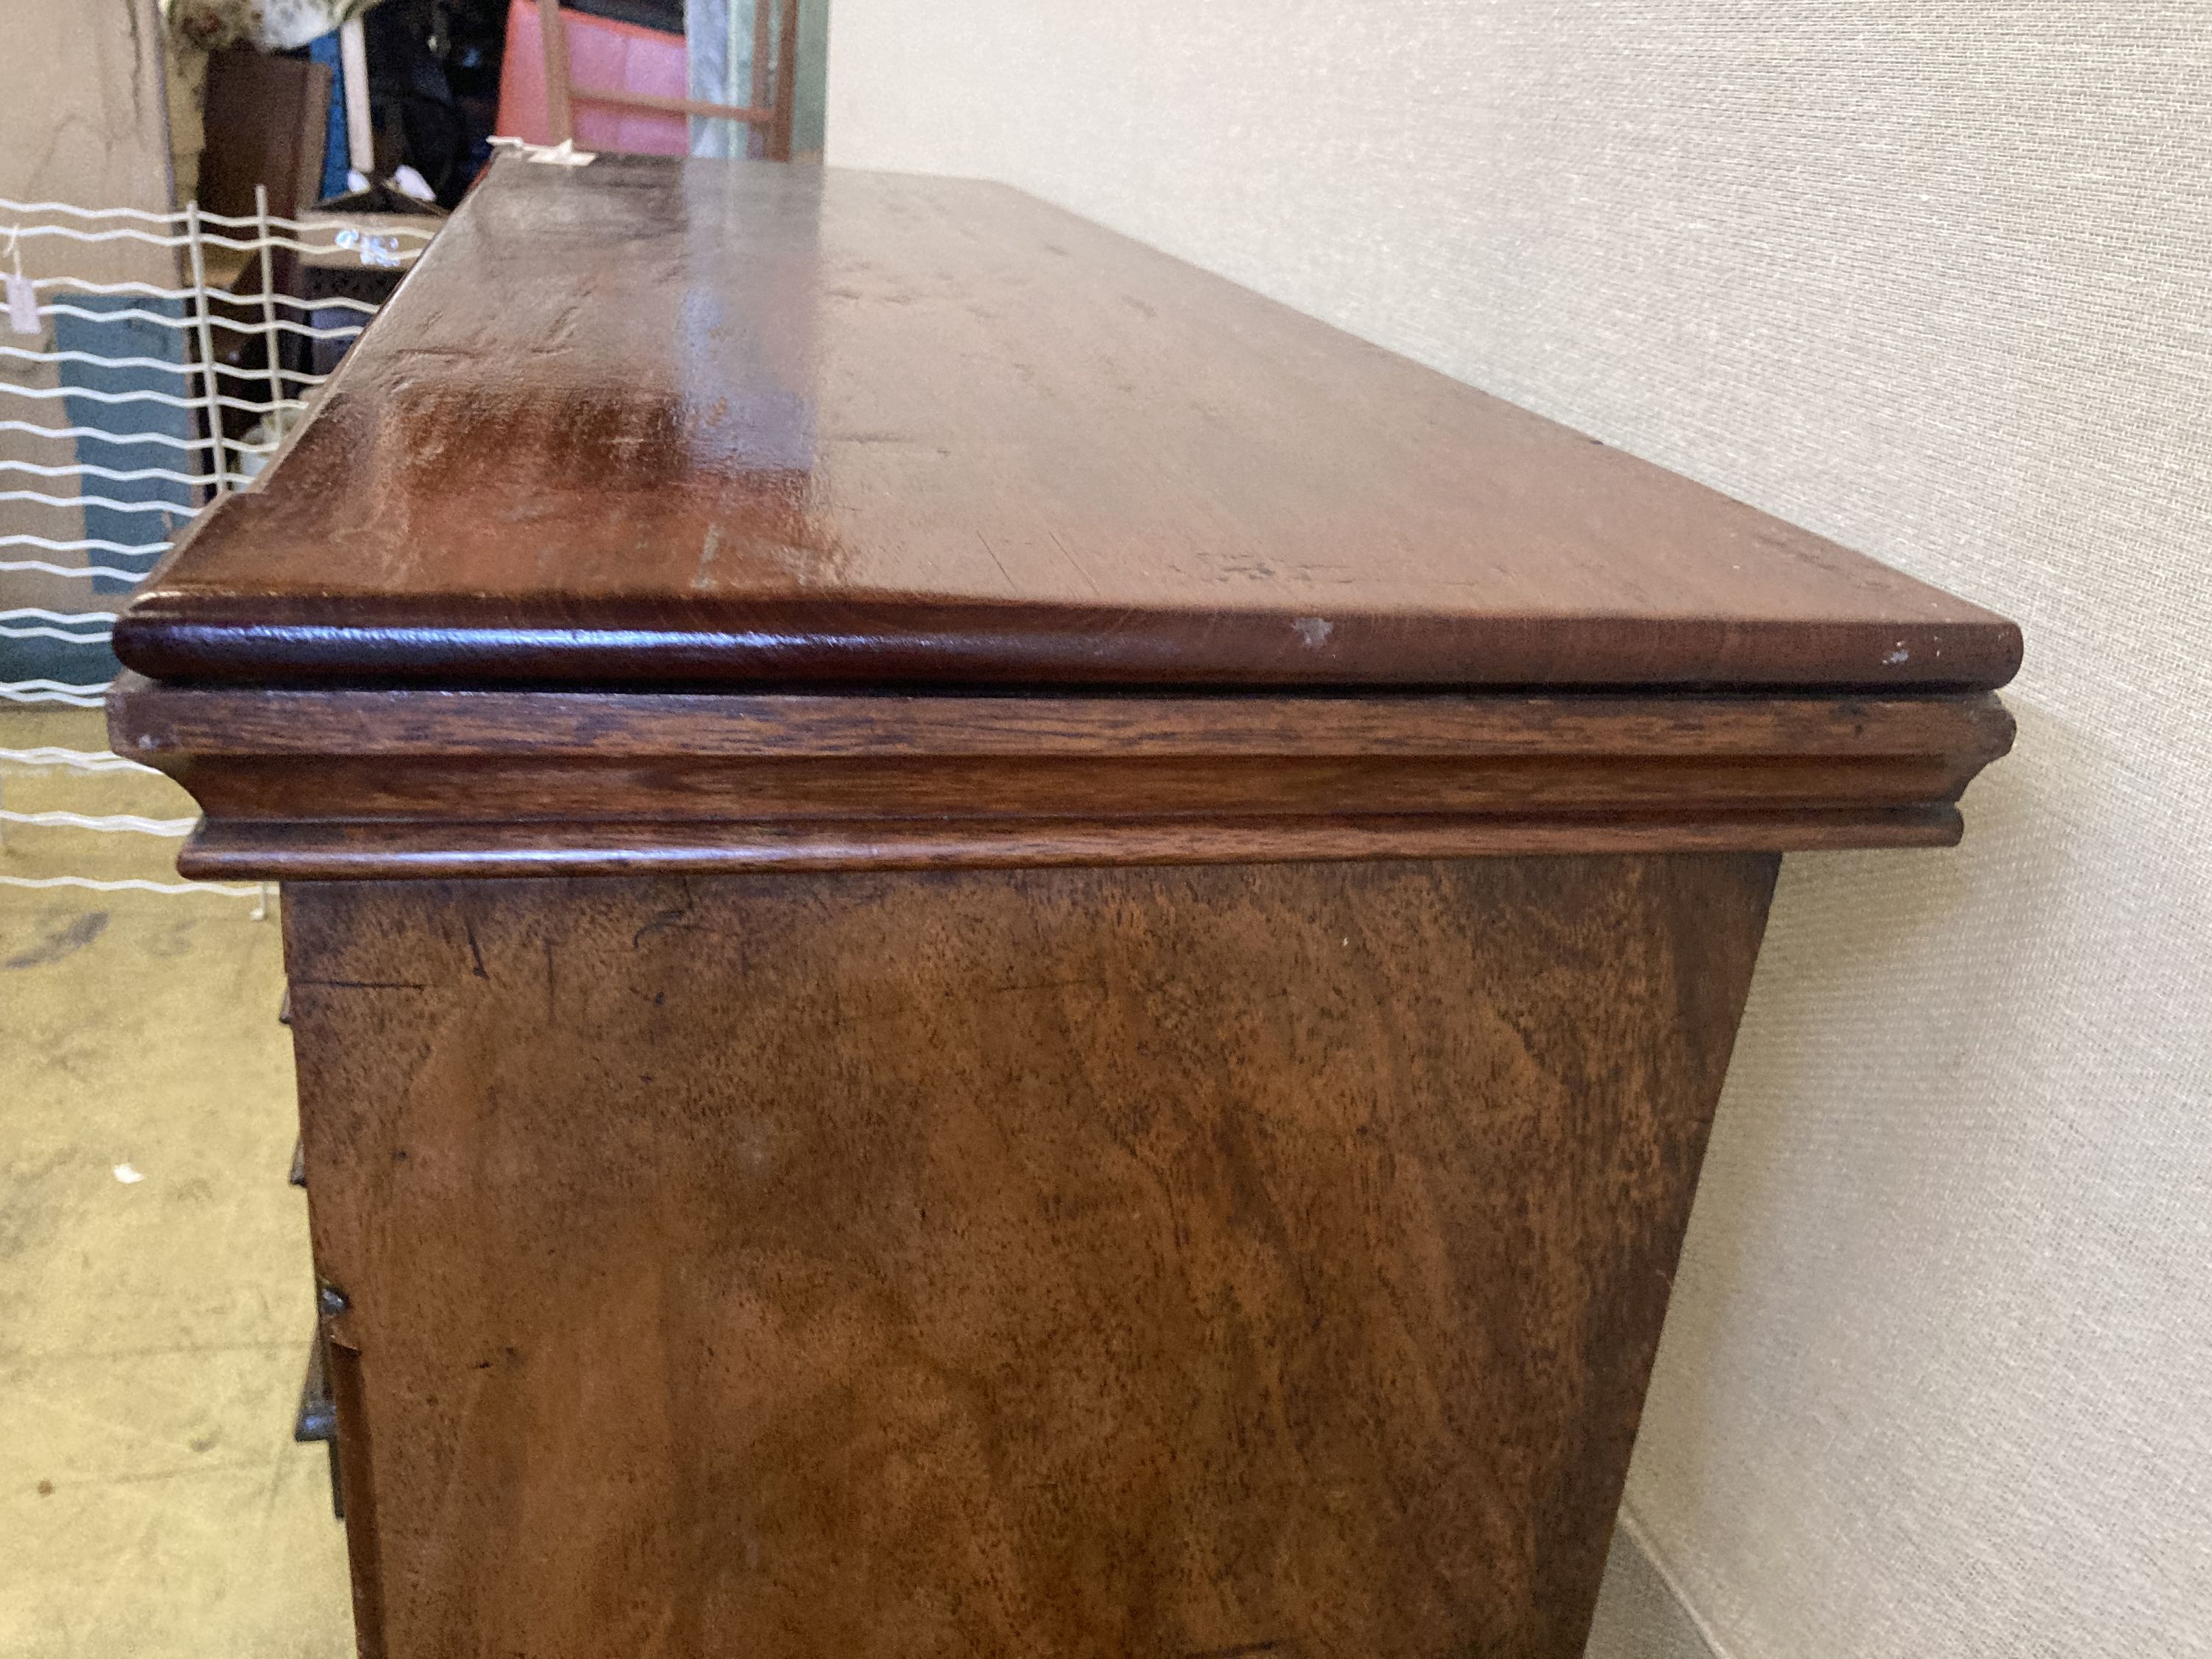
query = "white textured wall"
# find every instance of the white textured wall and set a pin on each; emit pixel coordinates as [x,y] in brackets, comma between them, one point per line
[1934,278]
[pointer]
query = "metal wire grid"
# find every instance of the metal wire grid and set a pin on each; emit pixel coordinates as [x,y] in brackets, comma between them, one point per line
[208,464]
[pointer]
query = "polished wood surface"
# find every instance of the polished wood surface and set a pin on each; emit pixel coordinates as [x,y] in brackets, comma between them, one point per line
[682,421]
[316,784]
[1026,1128]
[210,722]
[1009,1264]
[562,93]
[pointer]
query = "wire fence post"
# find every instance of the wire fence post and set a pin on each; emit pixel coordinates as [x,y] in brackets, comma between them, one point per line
[268,312]
[219,463]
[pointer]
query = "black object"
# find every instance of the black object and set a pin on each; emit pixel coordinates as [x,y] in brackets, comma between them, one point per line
[318,1418]
[433,88]
[666,16]
[381,196]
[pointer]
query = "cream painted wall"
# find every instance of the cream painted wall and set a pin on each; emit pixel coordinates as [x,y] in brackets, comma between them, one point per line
[84,120]
[1934,278]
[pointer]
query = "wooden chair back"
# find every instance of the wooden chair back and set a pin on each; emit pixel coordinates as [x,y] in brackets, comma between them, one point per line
[776,35]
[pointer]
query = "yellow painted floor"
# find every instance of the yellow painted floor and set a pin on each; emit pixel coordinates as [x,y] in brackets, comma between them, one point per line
[152,1331]
[152,1503]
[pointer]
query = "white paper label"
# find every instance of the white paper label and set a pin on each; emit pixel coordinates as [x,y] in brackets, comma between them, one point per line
[22,304]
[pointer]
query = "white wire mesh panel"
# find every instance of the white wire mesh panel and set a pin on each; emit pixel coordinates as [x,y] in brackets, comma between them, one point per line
[126,409]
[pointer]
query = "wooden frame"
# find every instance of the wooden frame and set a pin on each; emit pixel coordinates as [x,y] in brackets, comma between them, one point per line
[780,43]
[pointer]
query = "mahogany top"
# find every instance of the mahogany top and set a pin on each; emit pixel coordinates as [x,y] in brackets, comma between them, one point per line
[652,421]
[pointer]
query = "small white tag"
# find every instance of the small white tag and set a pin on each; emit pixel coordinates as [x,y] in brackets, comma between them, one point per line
[22,304]
[562,155]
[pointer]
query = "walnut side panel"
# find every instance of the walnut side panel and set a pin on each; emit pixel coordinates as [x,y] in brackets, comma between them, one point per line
[303,785]
[1028,1263]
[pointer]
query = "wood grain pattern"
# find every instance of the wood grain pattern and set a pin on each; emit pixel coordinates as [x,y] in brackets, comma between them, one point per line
[1045,1263]
[302,723]
[315,784]
[683,421]
[1131,1182]
[340,852]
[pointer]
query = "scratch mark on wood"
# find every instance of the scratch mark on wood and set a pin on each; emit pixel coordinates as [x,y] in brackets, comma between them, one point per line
[1012,587]
[362,984]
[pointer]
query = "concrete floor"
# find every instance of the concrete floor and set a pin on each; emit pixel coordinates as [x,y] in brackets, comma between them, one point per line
[152,1503]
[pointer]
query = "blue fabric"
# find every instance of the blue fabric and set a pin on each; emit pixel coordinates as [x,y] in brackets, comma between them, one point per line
[324,50]
[165,506]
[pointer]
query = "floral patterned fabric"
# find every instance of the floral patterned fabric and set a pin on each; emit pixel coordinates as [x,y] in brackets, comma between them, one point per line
[270,25]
